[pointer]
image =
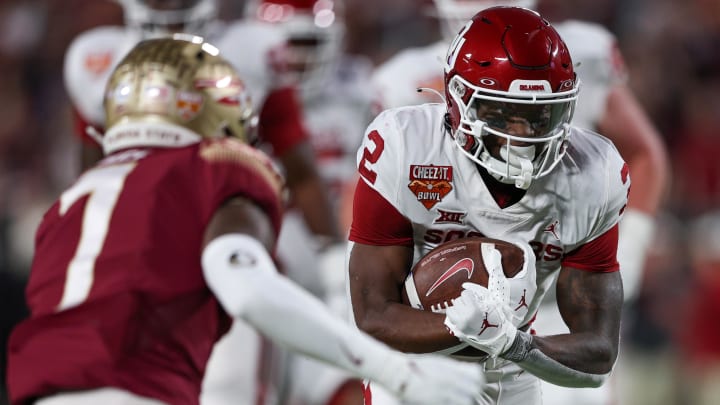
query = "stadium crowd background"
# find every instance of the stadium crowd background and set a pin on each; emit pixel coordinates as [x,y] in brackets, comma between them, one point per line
[671,49]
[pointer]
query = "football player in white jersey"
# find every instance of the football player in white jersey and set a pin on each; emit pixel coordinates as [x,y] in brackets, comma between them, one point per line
[336,103]
[606,104]
[498,159]
[256,50]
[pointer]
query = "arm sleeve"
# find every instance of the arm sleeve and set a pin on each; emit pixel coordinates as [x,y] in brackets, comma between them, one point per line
[598,255]
[242,276]
[368,206]
[548,369]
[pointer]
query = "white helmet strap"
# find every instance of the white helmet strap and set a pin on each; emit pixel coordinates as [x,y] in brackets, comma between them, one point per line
[517,165]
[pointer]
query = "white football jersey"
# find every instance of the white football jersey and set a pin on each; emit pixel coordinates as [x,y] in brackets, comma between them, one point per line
[249,46]
[408,157]
[89,62]
[598,64]
[592,48]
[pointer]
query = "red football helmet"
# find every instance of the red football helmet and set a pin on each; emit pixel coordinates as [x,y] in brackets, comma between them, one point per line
[510,91]
[315,29]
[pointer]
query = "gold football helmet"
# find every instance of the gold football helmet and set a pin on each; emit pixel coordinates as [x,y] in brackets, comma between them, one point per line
[173,92]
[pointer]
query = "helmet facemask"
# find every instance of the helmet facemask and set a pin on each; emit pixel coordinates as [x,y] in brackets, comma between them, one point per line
[510,91]
[516,136]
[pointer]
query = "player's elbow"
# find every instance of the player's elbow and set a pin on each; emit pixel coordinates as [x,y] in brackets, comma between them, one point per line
[605,358]
[370,323]
[365,323]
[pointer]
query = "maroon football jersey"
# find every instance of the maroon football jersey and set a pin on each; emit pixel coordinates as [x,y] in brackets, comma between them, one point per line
[116,291]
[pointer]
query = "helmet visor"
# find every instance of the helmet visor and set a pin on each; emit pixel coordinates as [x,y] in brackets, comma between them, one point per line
[533,121]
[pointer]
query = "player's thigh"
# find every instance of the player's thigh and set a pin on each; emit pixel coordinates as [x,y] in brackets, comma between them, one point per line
[508,384]
[235,373]
[314,382]
[554,394]
[104,396]
[375,394]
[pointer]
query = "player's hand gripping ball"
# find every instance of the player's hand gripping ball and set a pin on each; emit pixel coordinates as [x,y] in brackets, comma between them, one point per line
[437,279]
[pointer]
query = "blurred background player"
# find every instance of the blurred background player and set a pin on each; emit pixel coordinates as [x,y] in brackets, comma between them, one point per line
[336,103]
[109,325]
[605,104]
[256,49]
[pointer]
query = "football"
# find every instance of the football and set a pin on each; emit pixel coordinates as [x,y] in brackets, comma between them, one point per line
[437,278]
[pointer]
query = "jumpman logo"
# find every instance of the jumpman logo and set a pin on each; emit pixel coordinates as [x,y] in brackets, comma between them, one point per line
[486,324]
[522,302]
[553,228]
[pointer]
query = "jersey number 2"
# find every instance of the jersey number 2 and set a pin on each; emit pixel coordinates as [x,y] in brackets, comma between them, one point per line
[103,186]
[369,158]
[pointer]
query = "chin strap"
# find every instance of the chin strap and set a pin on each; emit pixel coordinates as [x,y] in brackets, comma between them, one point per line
[520,162]
[515,167]
[526,169]
[93,133]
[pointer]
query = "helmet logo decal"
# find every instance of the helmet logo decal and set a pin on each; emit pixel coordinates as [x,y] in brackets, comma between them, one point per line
[567,85]
[455,47]
[99,62]
[188,104]
[531,86]
[485,81]
[430,183]
[157,93]
[458,88]
[218,84]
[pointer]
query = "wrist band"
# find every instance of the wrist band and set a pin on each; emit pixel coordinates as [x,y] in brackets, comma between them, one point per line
[520,347]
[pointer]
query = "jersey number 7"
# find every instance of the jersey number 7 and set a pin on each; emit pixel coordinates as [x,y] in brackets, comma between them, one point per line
[103,186]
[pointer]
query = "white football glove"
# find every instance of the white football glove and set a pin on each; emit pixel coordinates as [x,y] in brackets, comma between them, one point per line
[480,320]
[428,379]
[481,316]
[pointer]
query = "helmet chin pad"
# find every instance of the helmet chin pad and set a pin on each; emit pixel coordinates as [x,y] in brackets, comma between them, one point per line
[516,163]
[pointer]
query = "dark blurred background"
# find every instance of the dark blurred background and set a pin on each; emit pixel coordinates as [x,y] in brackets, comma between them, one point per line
[672,49]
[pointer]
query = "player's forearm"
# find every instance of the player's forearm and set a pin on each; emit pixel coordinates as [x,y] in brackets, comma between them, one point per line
[641,145]
[406,329]
[579,360]
[649,174]
[309,193]
[310,196]
[636,234]
[242,276]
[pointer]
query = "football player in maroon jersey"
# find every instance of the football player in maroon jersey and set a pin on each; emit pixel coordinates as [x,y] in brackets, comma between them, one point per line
[144,263]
